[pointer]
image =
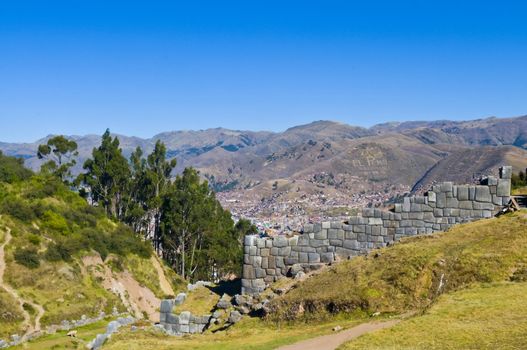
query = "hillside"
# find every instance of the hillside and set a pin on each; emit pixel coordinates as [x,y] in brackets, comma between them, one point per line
[296,171]
[63,260]
[464,288]
[411,274]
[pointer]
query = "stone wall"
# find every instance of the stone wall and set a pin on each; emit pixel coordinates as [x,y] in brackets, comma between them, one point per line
[268,259]
[183,323]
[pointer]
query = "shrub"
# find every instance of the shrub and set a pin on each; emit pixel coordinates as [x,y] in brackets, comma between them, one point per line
[54,222]
[18,209]
[12,169]
[27,257]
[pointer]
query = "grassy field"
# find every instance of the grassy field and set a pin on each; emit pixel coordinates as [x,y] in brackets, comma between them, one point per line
[489,316]
[249,334]
[60,341]
[413,273]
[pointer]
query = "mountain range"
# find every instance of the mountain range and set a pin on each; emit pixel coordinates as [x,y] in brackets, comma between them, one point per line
[330,158]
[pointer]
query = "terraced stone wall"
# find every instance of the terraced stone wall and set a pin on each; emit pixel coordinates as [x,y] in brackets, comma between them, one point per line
[270,258]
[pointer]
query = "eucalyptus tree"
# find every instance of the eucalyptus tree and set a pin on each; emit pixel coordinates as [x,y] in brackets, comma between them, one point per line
[60,154]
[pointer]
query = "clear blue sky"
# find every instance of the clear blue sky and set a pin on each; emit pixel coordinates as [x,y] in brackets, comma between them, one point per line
[141,67]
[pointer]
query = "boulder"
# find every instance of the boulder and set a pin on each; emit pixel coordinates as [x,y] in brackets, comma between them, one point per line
[224,302]
[235,317]
[180,298]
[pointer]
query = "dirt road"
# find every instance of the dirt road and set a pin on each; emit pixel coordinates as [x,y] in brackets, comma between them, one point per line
[332,341]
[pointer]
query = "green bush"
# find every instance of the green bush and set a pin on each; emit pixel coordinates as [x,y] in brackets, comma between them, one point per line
[54,222]
[12,169]
[28,257]
[18,209]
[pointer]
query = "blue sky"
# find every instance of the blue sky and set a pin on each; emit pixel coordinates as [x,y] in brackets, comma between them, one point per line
[142,67]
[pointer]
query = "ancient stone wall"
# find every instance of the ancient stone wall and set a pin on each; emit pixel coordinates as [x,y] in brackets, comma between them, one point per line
[268,259]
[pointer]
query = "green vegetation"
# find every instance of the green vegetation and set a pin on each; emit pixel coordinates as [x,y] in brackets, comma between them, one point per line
[413,273]
[182,216]
[487,316]
[12,169]
[60,153]
[518,180]
[53,230]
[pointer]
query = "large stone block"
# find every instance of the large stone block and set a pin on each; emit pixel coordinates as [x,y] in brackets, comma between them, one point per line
[322,234]
[375,221]
[326,224]
[313,257]
[441,200]
[248,272]
[483,206]
[285,251]
[462,193]
[303,258]
[327,257]
[416,215]
[249,240]
[336,224]
[504,187]
[184,317]
[319,243]
[446,187]
[166,305]
[452,203]
[483,194]
[406,204]
[280,241]
[308,228]
[506,172]
[465,204]
[351,244]
[335,242]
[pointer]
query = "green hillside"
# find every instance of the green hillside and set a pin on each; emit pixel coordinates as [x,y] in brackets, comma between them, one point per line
[62,258]
[478,304]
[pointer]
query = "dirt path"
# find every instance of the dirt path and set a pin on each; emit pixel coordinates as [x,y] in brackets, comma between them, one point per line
[27,324]
[332,341]
[165,285]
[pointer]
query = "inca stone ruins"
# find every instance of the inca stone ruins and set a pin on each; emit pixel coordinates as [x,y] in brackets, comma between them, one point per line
[270,258]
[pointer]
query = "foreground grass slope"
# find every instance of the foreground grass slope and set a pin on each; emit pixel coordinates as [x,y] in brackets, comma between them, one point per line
[488,316]
[413,273]
[466,286]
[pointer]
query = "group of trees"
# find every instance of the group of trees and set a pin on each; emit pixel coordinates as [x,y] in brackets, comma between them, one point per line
[519,180]
[181,215]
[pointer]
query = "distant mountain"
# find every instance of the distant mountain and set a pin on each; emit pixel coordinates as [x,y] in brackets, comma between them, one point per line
[330,158]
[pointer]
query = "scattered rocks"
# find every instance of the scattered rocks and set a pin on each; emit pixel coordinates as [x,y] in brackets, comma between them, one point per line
[112,327]
[224,302]
[191,287]
[234,317]
[337,328]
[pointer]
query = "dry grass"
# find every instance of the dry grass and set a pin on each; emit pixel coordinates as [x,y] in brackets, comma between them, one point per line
[249,334]
[200,301]
[408,275]
[485,317]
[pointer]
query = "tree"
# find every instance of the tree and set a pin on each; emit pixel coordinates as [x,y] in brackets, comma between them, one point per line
[60,153]
[157,176]
[190,218]
[108,176]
